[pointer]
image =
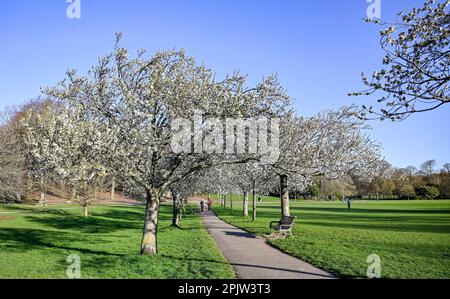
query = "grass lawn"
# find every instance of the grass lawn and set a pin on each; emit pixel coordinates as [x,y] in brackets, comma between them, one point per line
[240,197]
[412,238]
[35,244]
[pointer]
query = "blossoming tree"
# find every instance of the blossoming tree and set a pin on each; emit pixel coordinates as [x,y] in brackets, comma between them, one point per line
[330,144]
[139,99]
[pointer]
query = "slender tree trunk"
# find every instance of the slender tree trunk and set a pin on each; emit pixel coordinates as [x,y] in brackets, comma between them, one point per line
[74,193]
[254,205]
[43,191]
[322,195]
[176,209]
[182,209]
[224,201]
[185,200]
[149,236]
[284,195]
[245,205]
[29,188]
[85,211]
[231,202]
[113,189]
[42,201]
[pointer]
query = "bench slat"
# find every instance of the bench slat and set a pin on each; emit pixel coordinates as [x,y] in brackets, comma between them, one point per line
[287,220]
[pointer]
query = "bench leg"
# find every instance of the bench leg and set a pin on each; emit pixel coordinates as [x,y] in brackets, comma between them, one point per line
[272,235]
[280,234]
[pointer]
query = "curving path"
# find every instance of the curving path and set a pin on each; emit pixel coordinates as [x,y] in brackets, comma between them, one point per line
[252,258]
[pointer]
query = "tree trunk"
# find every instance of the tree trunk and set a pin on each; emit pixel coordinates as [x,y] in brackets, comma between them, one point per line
[85,211]
[42,201]
[322,195]
[29,188]
[254,205]
[74,194]
[149,236]
[284,195]
[113,189]
[245,205]
[231,202]
[43,191]
[184,206]
[176,209]
[224,201]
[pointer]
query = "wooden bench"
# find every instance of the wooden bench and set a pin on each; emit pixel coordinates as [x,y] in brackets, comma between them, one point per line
[282,228]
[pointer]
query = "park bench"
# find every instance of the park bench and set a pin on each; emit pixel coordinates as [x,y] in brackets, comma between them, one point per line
[282,228]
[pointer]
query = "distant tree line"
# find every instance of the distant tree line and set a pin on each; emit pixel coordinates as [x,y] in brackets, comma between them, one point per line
[425,182]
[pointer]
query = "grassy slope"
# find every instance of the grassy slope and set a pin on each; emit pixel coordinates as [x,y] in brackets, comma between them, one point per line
[36,244]
[412,238]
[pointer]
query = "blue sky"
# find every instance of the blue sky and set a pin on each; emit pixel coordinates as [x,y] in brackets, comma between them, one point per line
[318,49]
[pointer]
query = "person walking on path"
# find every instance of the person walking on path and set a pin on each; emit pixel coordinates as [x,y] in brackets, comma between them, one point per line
[202,205]
[209,202]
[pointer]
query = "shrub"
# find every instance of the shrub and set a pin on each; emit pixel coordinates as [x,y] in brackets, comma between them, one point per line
[427,192]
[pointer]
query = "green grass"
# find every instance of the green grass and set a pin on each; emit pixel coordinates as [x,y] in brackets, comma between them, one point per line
[240,197]
[412,238]
[36,244]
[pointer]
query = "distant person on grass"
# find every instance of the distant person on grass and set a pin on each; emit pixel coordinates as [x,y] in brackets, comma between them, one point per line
[348,203]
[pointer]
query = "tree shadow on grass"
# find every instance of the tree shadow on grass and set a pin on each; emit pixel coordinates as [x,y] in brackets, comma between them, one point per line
[81,224]
[263,214]
[131,215]
[40,210]
[368,211]
[107,222]
[388,226]
[345,210]
[426,221]
[22,239]
[181,227]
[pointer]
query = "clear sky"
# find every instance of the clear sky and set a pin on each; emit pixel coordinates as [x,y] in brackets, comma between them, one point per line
[318,48]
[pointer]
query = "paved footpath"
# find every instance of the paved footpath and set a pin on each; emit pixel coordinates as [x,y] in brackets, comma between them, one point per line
[252,258]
